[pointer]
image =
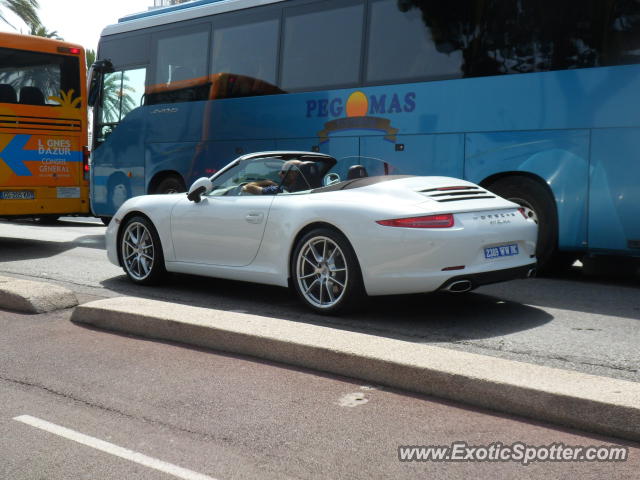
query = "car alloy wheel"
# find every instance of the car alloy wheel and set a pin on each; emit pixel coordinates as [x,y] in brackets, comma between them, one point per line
[322,272]
[138,251]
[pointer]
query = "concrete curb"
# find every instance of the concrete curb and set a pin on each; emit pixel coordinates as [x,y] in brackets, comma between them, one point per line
[34,297]
[596,404]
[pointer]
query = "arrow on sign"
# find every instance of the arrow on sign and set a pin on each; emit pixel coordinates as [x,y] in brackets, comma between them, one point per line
[14,155]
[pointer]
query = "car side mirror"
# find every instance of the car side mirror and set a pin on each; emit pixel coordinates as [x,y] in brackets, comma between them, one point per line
[200,187]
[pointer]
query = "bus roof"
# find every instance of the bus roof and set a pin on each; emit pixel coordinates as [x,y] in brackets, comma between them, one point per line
[180,12]
[35,43]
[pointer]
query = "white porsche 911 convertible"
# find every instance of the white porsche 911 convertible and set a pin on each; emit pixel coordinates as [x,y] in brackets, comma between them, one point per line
[333,231]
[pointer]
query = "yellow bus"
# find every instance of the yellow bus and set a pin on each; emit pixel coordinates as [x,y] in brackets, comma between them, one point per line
[44,168]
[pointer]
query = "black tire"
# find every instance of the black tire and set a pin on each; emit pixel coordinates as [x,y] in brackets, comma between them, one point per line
[48,219]
[168,185]
[339,278]
[105,220]
[540,205]
[148,267]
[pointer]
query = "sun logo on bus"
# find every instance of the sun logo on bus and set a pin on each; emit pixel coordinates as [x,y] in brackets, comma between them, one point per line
[358,109]
[357,105]
[67,103]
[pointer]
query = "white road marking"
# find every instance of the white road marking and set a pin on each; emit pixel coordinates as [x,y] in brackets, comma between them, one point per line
[112,449]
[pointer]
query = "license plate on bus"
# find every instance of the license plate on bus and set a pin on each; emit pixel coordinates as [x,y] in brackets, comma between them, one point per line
[501,251]
[17,195]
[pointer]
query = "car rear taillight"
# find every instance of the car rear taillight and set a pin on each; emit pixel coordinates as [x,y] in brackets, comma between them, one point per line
[85,163]
[428,221]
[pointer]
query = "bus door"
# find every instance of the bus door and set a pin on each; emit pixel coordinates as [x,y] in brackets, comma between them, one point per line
[117,158]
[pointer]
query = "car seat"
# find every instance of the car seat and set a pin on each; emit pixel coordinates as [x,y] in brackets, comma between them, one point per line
[356,171]
[31,96]
[309,176]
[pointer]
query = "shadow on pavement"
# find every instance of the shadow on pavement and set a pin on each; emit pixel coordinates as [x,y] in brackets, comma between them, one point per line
[17,249]
[614,295]
[436,317]
[61,222]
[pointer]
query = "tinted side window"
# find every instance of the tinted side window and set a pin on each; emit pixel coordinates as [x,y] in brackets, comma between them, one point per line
[401,47]
[470,38]
[249,49]
[181,68]
[322,45]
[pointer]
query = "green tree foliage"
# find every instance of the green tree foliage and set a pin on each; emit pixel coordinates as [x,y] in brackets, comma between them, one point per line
[90,56]
[26,10]
[41,31]
[117,99]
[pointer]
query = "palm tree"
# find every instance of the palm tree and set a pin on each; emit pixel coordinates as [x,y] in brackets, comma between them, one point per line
[26,10]
[41,31]
[116,98]
[91,56]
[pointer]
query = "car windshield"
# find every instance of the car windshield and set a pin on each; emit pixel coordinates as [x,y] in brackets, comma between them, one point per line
[278,174]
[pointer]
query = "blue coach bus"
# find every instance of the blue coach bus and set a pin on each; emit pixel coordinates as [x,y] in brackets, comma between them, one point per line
[535,100]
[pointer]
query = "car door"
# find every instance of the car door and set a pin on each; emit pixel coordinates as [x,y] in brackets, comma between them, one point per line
[225,228]
[219,230]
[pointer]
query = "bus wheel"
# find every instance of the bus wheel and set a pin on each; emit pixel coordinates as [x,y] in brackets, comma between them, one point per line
[171,184]
[48,219]
[539,205]
[105,220]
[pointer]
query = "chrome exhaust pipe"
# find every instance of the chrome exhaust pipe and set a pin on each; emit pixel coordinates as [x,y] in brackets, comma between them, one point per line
[460,286]
[531,273]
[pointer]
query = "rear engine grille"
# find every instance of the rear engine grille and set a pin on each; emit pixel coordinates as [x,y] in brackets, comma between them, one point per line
[40,123]
[456,193]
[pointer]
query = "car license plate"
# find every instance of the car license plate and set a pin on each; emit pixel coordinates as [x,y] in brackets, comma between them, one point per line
[17,195]
[501,251]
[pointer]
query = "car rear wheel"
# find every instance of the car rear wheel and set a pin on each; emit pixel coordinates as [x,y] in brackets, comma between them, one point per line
[141,252]
[325,271]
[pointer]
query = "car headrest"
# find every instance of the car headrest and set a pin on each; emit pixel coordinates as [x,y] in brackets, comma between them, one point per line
[356,171]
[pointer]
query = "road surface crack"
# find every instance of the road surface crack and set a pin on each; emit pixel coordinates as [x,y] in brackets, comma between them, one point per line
[87,403]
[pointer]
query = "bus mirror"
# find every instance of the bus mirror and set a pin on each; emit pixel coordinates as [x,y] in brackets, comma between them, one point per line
[103,66]
[96,73]
[95,86]
[200,187]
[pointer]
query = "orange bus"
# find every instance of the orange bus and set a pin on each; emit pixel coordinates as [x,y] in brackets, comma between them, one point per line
[44,168]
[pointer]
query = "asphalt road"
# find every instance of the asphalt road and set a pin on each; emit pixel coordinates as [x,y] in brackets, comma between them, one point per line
[573,322]
[230,417]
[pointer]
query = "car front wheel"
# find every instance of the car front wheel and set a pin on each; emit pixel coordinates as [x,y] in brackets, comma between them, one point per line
[141,252]
[325,272]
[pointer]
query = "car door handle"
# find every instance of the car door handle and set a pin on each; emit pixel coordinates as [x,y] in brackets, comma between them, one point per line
[254,217]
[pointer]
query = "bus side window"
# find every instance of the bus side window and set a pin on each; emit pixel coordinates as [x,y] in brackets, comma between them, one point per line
[122,91]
